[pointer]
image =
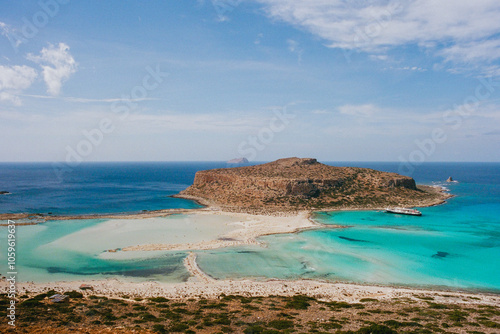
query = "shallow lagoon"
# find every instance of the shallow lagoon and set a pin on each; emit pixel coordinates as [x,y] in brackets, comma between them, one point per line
[76,249]
[456,245]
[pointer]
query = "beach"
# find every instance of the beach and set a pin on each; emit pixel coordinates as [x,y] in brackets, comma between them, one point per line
[210,288]
[248,228]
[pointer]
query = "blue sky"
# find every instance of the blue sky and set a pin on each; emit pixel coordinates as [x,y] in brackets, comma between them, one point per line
[406,81]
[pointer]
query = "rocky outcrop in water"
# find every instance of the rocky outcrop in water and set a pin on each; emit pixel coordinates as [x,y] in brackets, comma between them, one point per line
[295,183]
[238,161]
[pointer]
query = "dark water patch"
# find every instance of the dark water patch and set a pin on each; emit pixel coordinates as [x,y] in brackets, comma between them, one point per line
[306,268]
[351,239]
[226,239]
[400,228]
[440,255]
[123,272]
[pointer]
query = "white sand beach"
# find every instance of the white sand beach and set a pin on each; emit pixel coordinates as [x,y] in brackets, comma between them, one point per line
[242,228]
[215,288]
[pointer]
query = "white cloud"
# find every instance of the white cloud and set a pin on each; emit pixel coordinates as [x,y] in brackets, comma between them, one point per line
[452,29]
[364,110]
[140,123]
[216,122]
[14,79]
[294,47]
[258,40]
[59,66]
[9,32]
[86,100]
[14,99]
[407,68]
[320,112]
[379,57]
[486,50]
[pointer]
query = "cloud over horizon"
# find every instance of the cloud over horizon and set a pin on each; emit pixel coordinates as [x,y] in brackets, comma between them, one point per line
[17,78]
[14,79]
[57,66]
[459,31]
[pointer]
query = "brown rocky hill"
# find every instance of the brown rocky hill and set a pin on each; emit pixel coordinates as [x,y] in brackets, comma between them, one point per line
[294,183]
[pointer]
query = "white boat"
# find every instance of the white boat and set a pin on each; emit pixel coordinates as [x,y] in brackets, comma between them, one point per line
[404,211]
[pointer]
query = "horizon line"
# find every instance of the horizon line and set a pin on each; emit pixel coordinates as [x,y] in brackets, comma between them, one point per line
[225,161]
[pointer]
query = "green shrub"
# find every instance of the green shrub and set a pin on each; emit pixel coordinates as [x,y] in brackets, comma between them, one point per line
[299,302]
[148,317]
[376,329]
[178,327]
[281,324]
[159,329]
[74,294]
[457,315]
[490,324]
[253,329]
[366,300]
[31,303]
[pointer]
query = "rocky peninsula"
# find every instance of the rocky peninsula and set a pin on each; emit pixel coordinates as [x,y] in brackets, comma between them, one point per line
[293,184]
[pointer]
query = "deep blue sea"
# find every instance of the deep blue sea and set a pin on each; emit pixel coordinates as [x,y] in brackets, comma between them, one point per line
[455,245]
[96,187]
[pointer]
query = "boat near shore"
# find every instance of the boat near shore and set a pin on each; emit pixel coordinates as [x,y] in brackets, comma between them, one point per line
[404,211]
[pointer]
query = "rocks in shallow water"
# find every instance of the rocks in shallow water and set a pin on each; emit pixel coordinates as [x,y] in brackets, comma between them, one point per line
[440,255]
[351,239]
[450,179]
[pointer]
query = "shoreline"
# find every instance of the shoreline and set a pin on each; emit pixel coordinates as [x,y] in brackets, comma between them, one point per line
[209,206]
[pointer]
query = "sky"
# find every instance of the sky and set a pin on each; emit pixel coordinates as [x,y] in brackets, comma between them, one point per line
[383,80]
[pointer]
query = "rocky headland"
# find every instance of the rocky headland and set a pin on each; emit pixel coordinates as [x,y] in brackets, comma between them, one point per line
[296,184]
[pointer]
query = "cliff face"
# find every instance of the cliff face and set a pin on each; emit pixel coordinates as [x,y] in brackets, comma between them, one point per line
[295,183]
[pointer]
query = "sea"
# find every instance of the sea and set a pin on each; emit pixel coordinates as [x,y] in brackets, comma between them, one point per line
[451,246]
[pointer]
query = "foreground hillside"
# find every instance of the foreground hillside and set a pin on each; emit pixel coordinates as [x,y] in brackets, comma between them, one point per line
[249,315]
[294,183]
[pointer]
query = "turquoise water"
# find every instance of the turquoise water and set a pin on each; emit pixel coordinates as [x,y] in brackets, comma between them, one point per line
[40,257]
[77,249]
[456,245]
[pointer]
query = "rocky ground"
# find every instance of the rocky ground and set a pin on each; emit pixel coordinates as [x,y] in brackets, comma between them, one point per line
[297,184]
[420,313]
